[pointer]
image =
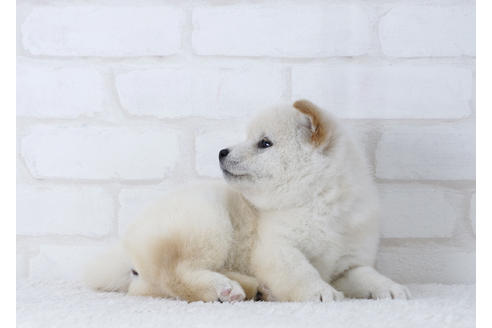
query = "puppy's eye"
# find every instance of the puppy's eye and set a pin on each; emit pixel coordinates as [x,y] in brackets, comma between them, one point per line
[265,143]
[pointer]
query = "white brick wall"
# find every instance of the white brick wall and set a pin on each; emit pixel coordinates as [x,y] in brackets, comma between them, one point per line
[392,92]
[84,211]
[473,213]
[434,152]
[119,102]
[421,211]
[59,90]
[424,31]
[282,30]
[205,92]
[428,262]
[111,31]
[63,262]
[100,153]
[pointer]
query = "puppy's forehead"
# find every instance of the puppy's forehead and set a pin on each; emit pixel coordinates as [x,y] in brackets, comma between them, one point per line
[272,121]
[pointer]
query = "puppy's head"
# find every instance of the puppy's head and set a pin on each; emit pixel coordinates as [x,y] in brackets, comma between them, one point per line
[286,150]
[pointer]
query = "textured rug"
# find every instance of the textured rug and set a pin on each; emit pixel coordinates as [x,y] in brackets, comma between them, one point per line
[63,304]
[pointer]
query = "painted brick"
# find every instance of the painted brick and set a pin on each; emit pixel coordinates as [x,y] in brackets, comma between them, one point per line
[21,264]
[473,213]
[419,211]
[103,31]
[209,143]
[440,152]
[416,216]
[392,92]
[420,31]
[134,201]
[100,153]
[58,90]
[215,93]
[282,30]
[427,264]
[62,262]
[74,210]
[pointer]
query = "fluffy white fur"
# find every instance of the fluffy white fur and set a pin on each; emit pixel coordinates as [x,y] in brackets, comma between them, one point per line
[300,216]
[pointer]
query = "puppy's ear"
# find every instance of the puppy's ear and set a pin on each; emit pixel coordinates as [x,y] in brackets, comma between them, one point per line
[321,132]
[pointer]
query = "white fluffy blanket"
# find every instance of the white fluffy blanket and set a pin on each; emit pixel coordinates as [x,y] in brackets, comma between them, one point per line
[41,304]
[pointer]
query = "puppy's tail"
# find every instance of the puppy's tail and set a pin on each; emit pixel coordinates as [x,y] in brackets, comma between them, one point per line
[110,271]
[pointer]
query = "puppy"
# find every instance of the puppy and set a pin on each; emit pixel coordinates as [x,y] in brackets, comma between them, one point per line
[299,213]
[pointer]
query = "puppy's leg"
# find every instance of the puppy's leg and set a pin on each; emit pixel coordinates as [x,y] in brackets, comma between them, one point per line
[289,274]
[205,285]
[366,282]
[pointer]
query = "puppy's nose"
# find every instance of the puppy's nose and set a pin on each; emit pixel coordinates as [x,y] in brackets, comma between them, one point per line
[223,153]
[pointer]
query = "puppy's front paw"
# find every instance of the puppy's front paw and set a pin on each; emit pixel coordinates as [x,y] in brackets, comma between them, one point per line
[390,290]
[324,294]
[231,292]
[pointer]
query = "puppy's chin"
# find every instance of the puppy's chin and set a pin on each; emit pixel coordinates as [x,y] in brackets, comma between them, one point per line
[231,176]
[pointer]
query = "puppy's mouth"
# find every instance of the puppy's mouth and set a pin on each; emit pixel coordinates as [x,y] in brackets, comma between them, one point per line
[229,174]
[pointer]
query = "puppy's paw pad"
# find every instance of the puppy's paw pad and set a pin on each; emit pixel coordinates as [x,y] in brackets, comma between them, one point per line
[231,292]
[226,292]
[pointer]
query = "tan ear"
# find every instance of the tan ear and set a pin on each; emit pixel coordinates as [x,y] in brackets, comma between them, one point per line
[318,127]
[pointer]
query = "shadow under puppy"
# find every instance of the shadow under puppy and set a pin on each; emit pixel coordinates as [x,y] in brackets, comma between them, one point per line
[298,214]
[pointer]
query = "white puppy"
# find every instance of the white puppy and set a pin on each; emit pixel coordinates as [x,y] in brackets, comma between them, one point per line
[299,213]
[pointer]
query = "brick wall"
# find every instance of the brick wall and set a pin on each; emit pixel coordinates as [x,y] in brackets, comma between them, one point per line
[119,101]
